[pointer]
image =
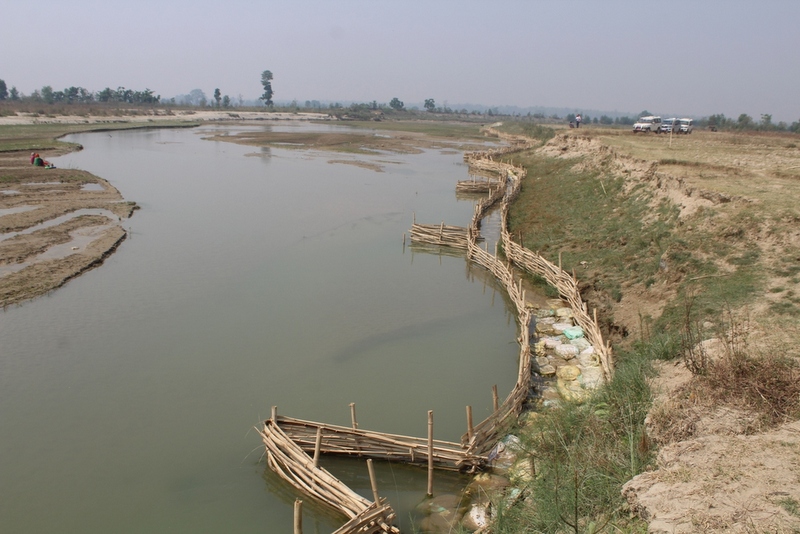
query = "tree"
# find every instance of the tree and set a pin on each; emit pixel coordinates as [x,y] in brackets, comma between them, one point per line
[744,122]
[217,96]
[430,105]
[3,90]
[14,93]
[47,94]
[396,104]
[226,101]
[766,122]
[266,81]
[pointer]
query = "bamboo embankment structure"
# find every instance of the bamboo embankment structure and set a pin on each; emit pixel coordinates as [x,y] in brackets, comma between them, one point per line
[293,446]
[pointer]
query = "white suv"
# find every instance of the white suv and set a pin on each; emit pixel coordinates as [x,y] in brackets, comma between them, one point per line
[684,126]
[647,124]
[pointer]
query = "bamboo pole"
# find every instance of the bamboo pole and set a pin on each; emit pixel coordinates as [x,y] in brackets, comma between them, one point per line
[430,453]
[298,516]
[275,414]
[495,398]
[470,428]
[373,482]
[317,445]
[353,415]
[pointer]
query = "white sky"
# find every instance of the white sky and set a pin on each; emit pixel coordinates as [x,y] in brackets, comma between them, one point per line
[678,57]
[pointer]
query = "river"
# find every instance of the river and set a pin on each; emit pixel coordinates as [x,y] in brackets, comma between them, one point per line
[251,277]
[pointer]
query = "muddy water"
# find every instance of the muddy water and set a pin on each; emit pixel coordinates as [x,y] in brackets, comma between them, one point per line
[251,278]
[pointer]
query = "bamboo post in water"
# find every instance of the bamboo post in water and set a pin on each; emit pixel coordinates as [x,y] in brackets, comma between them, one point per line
[372,481]
[470,428]
[298,516]
[353,415]
[430,453]
[317,446]
[495,398]
[275,414]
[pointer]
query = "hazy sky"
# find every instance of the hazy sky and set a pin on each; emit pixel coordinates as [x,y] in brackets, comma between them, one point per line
[671,57]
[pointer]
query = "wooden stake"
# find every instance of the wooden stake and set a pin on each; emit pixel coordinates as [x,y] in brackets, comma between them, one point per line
[495,398]
[470,428]
[298,516]
[430,453]
[275,414]
[353,415]
[317,446]
[372,481]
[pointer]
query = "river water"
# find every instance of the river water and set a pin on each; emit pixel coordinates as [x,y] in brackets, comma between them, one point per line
[251,278]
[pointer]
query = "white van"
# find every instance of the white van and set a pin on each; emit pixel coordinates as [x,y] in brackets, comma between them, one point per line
[670,125]
[648,124]
[685,126]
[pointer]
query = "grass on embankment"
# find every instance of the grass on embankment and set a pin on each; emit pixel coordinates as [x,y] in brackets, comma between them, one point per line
[628,246]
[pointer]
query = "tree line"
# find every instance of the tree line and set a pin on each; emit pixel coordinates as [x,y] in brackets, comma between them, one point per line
[80,95]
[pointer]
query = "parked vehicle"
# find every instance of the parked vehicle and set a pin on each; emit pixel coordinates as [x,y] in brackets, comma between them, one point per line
[669,125]
[686,126]
[647,124]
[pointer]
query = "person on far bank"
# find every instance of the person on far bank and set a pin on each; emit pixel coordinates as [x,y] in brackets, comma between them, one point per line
[578,120]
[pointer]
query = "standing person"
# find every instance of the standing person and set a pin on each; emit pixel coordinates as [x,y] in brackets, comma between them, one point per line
[578,120]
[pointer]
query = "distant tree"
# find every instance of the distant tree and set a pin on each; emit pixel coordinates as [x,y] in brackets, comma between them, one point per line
[570,117]
[396,104]
[197,97]
[766,122]
[217,96]
[745,122]
[430,105]
[795,127]
[105,95]
[226,101]
[3,90]
[266,81]
[645,113]
[605,119]
[595,121]
[47,94]
[14,93]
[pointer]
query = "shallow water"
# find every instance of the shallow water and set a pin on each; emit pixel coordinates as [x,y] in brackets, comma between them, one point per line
[129,395]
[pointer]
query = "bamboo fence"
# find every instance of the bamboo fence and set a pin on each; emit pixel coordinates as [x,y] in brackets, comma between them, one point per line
[289,441]
[347,441]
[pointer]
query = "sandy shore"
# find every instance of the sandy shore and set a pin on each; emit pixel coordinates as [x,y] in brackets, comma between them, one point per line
[162,115]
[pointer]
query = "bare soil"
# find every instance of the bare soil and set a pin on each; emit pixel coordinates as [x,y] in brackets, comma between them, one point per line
[37,256]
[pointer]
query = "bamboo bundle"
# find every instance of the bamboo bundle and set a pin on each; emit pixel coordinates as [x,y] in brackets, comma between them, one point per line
[371,520]
[452,236]
[293,465]
[476,186]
